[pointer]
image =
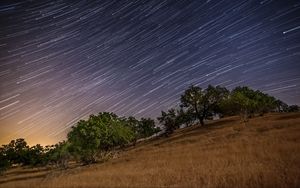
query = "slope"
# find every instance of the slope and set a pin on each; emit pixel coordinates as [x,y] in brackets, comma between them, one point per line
[225,153]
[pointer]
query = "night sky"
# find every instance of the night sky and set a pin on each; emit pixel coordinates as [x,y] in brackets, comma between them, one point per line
[61,61]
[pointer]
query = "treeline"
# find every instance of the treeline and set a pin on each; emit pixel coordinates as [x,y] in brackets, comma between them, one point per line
[197,104]
[87,141]
[97,137]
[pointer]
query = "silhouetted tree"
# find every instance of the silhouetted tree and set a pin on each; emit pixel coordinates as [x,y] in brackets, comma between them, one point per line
[186,117]
[4,161]
[265,103]
[146,128]
[293,108]
[204,102]
[16,151]
[132,123]
[281,106]
[169,121]
[34,156]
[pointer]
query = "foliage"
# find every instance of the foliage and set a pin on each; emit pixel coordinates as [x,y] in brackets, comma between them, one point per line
[133,124]
[203,102]
[169,121]
[4,161]
[142,128]
[281,106]
[247,102]
[186,117]
[99,133]
[16,151]
[34,156]
[146,128]
[265,102]
[58,154]
[243,101]
[293,108]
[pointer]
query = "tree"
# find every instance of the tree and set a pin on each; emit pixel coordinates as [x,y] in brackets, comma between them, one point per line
[34,156]
[132,123]
[248,102]
[243,100]
[85,140]
[186,117]
[4,162]
[58,154]
[265,102]
[281,106]
[16,151]
[293,108]
[99,133]
[214,97]
[193,98]
[203,102]
[146,128]
[169,121]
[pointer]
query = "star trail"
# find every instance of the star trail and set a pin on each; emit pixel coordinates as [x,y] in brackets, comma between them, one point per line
[61,61]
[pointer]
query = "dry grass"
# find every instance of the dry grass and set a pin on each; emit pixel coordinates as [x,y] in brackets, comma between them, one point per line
[225,153]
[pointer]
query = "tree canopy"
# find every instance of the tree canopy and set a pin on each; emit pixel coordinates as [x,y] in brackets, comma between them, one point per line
[203,102]
[98,133]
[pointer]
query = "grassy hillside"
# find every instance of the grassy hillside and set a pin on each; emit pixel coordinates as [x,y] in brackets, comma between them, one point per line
[225,153]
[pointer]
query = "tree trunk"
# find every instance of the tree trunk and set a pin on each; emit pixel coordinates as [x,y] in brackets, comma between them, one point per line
[201,121]
[244,116]
[198,115]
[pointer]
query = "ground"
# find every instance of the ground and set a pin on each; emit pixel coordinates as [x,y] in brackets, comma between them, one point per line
[225,153]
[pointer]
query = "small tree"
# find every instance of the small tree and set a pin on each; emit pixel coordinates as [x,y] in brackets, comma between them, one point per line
[203,102]
[132,123]
[58,154]
[4,162]
[169,121]
[85,140]
[16,151]
[186,117]
[34,156]
[243,104]
[146,128]
[265,102]
[281,106]
[293,108]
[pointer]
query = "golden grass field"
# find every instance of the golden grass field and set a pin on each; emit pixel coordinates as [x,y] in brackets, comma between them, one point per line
[224,153]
